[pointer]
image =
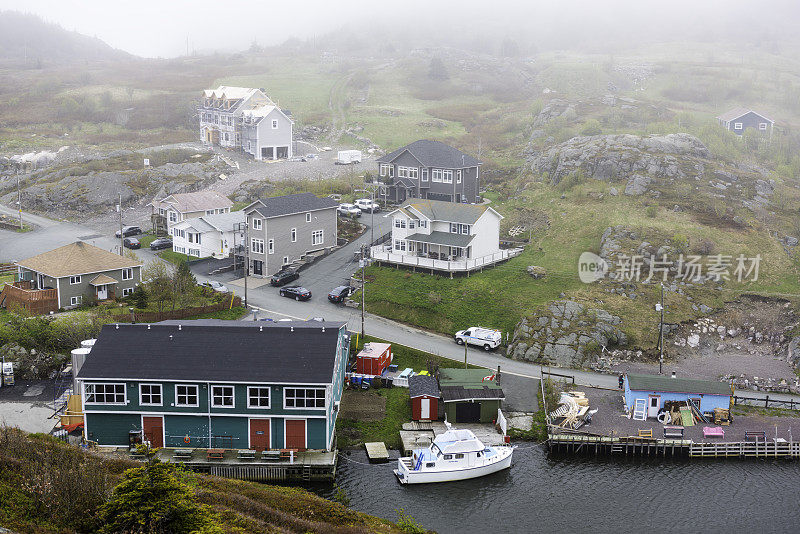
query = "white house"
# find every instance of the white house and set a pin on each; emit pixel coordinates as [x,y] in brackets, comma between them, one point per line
[179,207]
[245,118]
[440,235]
[209,235]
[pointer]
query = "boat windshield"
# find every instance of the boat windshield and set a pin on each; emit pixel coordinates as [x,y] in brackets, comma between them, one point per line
[435,450]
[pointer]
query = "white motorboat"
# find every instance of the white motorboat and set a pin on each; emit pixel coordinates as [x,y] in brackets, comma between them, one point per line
[453,455]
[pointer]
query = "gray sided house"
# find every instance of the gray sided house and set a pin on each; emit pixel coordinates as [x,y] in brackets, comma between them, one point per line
[284,229]
[212,383]
[429,170]
[80,273]
[740,119]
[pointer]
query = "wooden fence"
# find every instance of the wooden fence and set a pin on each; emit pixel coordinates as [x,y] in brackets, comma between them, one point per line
[154,317]
[33,301]
[789,404]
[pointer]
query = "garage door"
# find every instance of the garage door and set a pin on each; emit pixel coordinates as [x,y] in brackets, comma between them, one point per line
[296,434]
[468,412]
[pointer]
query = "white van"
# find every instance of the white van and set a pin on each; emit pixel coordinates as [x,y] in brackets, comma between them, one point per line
[482,337]
[367,205]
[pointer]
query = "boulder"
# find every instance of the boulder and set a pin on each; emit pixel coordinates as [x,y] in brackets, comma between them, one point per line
[637,185]
[536,271]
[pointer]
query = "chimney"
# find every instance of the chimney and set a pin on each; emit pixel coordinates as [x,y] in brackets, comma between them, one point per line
[673,375]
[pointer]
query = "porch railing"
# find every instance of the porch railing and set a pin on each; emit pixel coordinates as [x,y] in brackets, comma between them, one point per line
[380,253]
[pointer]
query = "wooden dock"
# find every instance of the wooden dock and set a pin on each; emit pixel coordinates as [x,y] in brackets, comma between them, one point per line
[594,445]
[376,452]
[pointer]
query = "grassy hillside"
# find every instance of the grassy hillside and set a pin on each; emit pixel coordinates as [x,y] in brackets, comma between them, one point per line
[48,486]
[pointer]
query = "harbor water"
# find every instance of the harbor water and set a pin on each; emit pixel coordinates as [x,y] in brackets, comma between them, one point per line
[547,494]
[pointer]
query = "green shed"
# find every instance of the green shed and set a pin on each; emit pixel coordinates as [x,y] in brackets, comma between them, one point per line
[470,395]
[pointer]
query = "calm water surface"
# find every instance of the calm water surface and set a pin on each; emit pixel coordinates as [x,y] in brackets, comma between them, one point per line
[545,494]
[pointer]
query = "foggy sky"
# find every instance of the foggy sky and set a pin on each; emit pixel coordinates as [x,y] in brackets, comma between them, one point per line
[160,28]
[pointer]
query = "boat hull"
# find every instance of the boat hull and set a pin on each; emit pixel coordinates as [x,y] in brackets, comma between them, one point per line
[427,477]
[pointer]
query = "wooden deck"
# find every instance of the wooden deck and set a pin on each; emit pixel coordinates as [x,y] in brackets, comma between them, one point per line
[33,301]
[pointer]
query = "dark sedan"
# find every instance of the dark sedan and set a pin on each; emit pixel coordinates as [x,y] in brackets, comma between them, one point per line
[295,292]
[161,243]
[338,294]
[284,277]
[131,242]
[129,231]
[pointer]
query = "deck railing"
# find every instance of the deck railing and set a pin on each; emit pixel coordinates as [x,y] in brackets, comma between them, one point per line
[33,301]
[380,253]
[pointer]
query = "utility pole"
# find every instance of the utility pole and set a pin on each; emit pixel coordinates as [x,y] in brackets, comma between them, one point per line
[246,260]
[661,332]
[121,237]
[363,286]
[19,202]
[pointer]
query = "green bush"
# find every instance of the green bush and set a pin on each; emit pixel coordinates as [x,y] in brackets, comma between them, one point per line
[651,212]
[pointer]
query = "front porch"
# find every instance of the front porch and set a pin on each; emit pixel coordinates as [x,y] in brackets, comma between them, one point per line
[438,260]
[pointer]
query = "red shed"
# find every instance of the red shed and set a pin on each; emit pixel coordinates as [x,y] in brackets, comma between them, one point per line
[373,358]
[424,393]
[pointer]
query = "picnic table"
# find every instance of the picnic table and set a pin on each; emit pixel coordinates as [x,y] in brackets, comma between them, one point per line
[183,454]
[215,454]
[271,455]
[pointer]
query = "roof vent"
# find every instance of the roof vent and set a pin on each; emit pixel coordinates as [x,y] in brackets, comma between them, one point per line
[260,328]
[292,329]
[323,329]
[674,375]
[117,325]
[179,327]
[148,327]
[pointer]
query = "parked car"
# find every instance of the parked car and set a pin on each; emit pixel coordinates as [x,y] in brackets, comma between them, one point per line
[216,286]
[312,156]
[338,294]
[129,231]
[483,337]
[284,277]
[131,242]
[348,210]
[161,243]
[367,205]
[295,292]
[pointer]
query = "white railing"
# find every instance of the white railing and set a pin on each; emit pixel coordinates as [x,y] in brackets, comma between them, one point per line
[384,253]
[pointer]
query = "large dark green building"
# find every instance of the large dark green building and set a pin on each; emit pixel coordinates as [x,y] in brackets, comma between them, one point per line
[210,383]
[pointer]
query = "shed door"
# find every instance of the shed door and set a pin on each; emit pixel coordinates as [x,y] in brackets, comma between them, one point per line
[153,428]
[468,412]
[296,434]
[653,404]
[425,412]
[259,434]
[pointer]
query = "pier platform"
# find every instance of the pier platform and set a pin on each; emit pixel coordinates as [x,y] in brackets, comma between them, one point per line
[376,452]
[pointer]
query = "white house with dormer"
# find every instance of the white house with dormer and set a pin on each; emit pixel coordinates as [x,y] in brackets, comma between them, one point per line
[445,236]
[209,235]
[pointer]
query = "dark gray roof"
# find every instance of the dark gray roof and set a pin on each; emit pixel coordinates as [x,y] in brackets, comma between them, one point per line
[288,204]
[217,351]
[443,238]
[433,154]
[677,385]
[419,385]
[740,112]
[460,393]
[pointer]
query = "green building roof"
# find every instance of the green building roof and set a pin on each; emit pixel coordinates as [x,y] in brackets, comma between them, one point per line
[469,378]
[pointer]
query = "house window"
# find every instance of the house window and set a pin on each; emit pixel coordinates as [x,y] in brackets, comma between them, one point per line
[303,398]
[161,211]
[209,212]
[737,125]
[436,175]
[226,136]
[317,237]
[447,457]
[308,217]
[458,177]
[274,124]
[186,396]
[762,126]
[173,217]
[453,228]
[447,177]
[407,172]
[258,397]
[127,291]
[150,394]
[399,223]
[424,175]
[294,235]
[127,274]
[400,245]
[459,456]
[75,301]
[384,170]
[257,245]
[286,260]
[194,252]
[401,172]
[74,280]
[104,394]
[271,246]
[463,229]
[423,223]
[411,224]
[413,172]
[222,396]
[257,224]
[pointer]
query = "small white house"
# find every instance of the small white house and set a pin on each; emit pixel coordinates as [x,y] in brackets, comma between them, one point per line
[179,207]
[445,236]
[209,235]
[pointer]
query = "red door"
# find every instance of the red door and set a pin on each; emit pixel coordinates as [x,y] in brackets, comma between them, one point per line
[259,434]
[296,434]
[154,431]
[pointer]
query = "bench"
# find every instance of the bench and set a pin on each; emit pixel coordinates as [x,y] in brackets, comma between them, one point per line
[754,435]
[713,432]
[215,454]
[246,454]
[645,432]
[183,454]
[288,454]
[271,455]
[673,432]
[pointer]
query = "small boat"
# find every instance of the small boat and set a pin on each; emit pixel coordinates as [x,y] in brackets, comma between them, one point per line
[453,455]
